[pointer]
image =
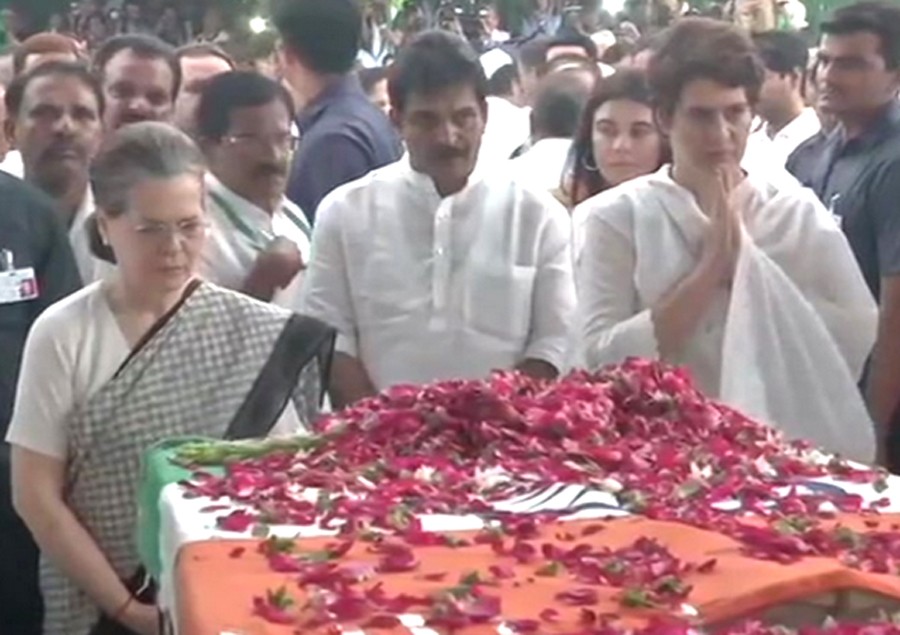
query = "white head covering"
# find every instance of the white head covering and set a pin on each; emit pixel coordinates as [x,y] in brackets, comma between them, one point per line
[494,60]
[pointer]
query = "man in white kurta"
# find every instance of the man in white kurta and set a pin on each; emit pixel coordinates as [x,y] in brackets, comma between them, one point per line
[259,240]
[428,269]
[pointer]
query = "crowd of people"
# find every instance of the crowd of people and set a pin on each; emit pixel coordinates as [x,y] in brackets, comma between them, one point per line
[90,22]
[196,245]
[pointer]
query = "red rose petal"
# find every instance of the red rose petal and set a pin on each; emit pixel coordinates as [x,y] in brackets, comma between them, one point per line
[237,521]
[549,615]
[578,597]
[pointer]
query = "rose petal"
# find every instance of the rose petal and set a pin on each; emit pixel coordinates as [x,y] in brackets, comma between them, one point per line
[578,597]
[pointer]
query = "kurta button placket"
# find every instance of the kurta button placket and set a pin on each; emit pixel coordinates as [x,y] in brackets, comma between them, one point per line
[440,277]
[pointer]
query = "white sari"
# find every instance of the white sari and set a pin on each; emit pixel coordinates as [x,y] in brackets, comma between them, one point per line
[787,345]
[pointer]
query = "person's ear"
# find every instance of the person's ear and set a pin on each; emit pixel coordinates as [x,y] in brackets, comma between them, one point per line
[102,228]
[396,117]
[663,120]
[206,145]
[9,131]
[896,80]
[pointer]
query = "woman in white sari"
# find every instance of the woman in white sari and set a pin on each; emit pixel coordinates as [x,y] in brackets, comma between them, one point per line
[150,354]
[753,288]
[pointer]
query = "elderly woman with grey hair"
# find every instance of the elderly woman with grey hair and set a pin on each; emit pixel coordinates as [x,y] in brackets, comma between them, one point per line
[151,353]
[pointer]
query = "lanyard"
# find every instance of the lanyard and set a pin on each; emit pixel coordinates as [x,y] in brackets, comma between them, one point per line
[301,223]
[258,238]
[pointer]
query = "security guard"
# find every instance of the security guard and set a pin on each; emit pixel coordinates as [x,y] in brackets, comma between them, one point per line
[37,268]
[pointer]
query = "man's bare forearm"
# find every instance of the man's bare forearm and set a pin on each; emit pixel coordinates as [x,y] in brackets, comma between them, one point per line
[350,381]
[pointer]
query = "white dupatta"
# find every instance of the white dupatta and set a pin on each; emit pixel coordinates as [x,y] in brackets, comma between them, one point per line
[798,324]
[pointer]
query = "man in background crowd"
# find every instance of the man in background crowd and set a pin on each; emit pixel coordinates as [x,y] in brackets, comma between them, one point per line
[784,120]
[857,174]
[505,84]
[573,44]
[343,135]
[31,232]
[554,119]
[34,51]
[199,63]
[374,85]
[44,47]
[54,118]
[531,59]
[140,75]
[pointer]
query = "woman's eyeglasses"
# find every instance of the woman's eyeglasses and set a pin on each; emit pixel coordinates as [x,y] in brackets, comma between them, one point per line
[158,232]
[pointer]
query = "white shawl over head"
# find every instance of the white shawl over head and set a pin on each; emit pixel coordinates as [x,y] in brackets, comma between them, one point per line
[793,335]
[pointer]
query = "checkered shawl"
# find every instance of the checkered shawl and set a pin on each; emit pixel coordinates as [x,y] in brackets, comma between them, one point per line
[189,379]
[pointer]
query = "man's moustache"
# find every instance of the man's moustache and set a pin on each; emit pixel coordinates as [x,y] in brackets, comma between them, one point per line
[271,170]
[444,154]
[59,149]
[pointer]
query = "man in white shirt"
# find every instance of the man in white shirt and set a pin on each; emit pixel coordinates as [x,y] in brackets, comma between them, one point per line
[554,119]
[54,119]
[259,240]
[428,268]
[784,119]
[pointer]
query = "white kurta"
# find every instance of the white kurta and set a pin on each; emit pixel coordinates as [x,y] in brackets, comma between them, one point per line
[90,268]
[422,288]
[508,127]
[12,164]
[765,153]
[231,253]
[543,164]
[799,313]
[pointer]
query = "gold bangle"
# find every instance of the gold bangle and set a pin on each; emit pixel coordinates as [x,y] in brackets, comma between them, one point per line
[121,610]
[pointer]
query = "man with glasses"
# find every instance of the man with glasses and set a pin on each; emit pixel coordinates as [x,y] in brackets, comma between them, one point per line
[259,240]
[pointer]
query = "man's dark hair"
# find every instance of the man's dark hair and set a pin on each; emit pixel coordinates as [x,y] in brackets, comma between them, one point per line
[15,94]
[703,48]
[533,54]
[558,104]
[879,18]
[203,49]
[369,77]
[433,61]
[324,34]
[230,91]
[145,46]
[570,62]
[574,39]
[42,43]
[503,81]
[617,53]
[651,43]
[782,52]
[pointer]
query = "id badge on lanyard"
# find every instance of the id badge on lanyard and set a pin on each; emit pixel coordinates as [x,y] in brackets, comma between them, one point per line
[16,285]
